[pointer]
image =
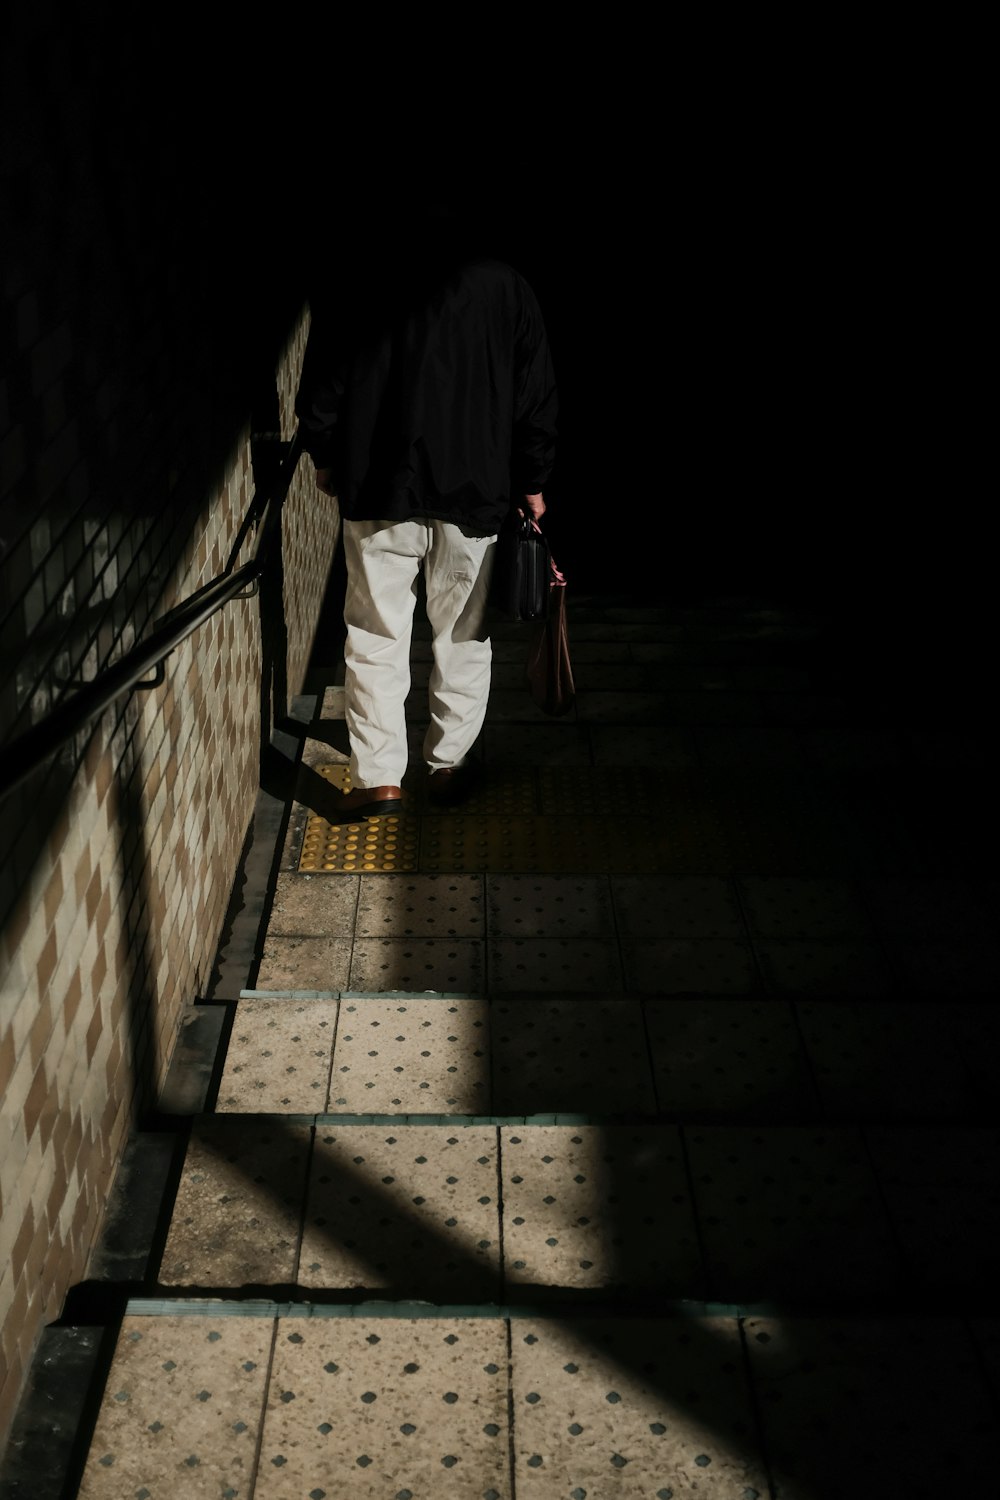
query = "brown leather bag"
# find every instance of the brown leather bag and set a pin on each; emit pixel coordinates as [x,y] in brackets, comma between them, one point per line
[550,671]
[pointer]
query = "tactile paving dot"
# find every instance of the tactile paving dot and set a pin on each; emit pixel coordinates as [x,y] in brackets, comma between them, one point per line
[383,843]
[789,1211]
[411,1209]
[553,964]
[706,966]
[238,1206]
[549,906]
[413,1056]
[632,1407]
[417,964]
[278,1058]
[872,1408]
[588,1206]
[583,1056]
[729,1059]
[803,908]
[678,906]
[506,791]
[181,1409]
[387,1407]
[433,906]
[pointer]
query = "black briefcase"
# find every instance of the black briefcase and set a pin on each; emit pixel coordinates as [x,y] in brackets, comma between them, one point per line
[519,589]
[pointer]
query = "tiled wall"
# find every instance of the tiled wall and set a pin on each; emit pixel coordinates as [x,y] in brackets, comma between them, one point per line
[144,353]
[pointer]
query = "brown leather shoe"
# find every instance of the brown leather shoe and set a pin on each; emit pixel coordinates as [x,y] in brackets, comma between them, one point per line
[370,802]
[452,785]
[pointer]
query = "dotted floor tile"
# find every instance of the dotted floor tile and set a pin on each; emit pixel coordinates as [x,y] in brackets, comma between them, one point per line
[536,906]
[714,708]
[852,968]
[508,791]
[569,1056]
[309,906]
[729,1060]
[872,1409]
[655,749]
[955,968]
[589,1206]
[615,792]
[516,706]
[411,1211]
[779,907]
[789,1212]
[678,906]
[942,1189]
[412,1056]
[304,963]
[387,843]
[236,1215]
[387,1408]
[851,749]
[561,743]
[930,909]
[884,1060]
[632,1408]
[709,966]
[749,747]
[417,964]
[278,1058]
[545,964]
[975,1026]
[181,1410]
[430,906]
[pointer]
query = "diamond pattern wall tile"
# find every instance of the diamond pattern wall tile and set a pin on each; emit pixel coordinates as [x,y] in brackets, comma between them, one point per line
[430,906]
[942,1188]
[181,1410]
[570,1056]
[545,964]
[789,1212]
[884,1060]
[729,1060]
[238,1206]
[278,1058]
[597,1206]
[871,1408]
[677,906]
[546,906]
[411,1211]
[632,1407]
[305,963]
[417,964]
[852,967]
[387,1407]
[311,906]
[412,1056]
[707,966]
[781,907]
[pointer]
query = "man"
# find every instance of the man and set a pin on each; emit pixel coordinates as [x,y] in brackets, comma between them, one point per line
[428,405]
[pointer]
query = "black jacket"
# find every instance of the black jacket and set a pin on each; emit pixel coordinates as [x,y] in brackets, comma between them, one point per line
[429,392]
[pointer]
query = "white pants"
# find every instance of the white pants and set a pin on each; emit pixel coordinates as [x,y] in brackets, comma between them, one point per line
[383,560]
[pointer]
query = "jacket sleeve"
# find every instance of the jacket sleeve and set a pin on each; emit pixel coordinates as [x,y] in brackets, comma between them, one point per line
[536,402]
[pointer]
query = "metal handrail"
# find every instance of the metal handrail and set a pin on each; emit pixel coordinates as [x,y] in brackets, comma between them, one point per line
[19,759]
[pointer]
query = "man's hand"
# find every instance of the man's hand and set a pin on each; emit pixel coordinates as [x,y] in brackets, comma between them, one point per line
[532,505]
[324,479]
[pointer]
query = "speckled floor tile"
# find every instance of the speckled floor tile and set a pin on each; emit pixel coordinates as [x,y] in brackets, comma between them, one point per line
[305,963]
[427,906]
[634,1409]
[454,964]
[385,1409]
[660,748]
[852,967]
[729,1060]
[239,1202]
[872,1409]
[780,907]
[698,966]
[884,1060]
[547,964]
[942,1188]
[677,906]
[412,1056]
[789,1212]
[181,1410]
[574,1056]
[278,1058]
[412,1211]
[547,906]
[597,1206]
[313,906]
